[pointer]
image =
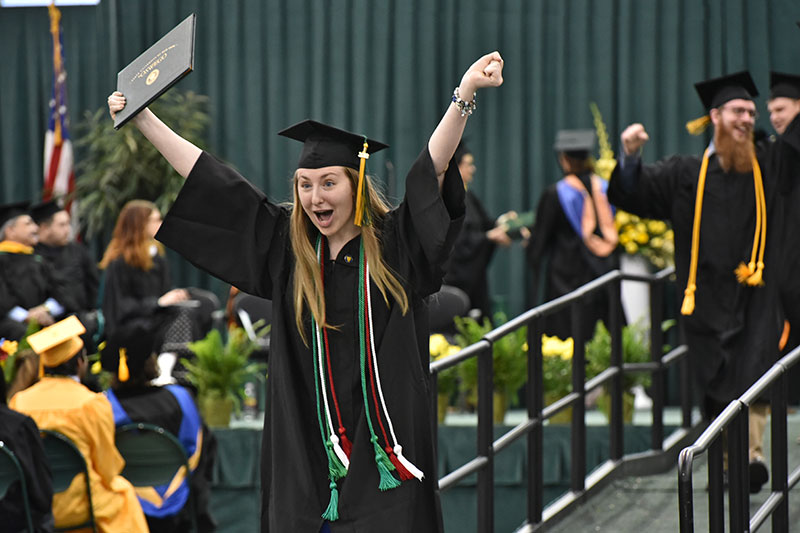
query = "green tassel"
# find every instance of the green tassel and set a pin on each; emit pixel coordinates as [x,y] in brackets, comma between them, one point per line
[332,512]
[380,455]
[336,469]
[388,481]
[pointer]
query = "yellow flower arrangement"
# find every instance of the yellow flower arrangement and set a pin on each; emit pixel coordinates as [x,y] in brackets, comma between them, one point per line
[653,239]
[8,349]
[440,348]
[557,366]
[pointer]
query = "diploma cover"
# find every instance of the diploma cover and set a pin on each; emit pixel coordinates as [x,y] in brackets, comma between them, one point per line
[160,67]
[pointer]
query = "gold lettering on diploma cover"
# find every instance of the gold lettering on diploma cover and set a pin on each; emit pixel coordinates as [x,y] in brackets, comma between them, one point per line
[153,76]
[149,71]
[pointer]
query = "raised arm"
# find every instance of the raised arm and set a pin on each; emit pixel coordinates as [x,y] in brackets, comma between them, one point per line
[179,152]
[485,72]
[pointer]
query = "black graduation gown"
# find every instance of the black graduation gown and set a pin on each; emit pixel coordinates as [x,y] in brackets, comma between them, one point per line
[21,435]
[472,251]
[224,225]
[130,293]
[734,330]
[73,262]
[27,280]
[570,264]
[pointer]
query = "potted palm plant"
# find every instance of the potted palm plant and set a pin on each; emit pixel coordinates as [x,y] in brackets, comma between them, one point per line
[220,369]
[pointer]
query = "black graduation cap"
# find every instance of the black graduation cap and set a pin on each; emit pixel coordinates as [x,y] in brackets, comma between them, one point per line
[138,340]
[784,85]
[717,91]
[576,143]
[9,211]
[325,146]
[45,210]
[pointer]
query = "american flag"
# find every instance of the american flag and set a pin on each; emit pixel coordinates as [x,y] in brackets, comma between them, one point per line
[59,177]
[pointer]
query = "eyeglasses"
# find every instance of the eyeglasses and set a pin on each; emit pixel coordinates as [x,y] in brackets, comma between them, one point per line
[741,111]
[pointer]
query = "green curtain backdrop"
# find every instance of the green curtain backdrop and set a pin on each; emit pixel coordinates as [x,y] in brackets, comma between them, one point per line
[388,68]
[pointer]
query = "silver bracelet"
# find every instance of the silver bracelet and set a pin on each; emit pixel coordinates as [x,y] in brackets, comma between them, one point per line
[466,108]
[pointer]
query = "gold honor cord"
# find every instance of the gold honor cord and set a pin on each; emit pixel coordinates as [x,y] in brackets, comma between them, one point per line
[688,299]
[750,274]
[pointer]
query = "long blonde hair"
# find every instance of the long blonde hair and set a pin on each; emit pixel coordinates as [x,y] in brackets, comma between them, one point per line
[130,239]
[308,289]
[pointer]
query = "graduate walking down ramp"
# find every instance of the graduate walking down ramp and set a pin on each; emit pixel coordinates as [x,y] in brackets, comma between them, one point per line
[347,442]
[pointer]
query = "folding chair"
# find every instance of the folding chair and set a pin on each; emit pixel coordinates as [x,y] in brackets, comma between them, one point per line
[10,472]
[250,309]
[153,456]
[66,462]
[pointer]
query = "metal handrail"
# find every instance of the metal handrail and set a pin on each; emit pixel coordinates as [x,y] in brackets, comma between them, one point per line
[734,421]
[531,428]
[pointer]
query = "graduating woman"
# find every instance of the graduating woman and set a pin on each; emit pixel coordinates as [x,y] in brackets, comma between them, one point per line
[347,442]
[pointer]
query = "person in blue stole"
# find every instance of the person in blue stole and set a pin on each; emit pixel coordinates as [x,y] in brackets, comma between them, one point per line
[574,238]
[129,354]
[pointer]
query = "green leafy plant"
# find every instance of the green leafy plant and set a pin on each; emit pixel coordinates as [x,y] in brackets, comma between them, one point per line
[510,356]
[635,349]
[117,166]
[220,369]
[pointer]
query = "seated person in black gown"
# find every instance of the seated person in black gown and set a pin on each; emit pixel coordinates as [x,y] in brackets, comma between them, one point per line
[71,260]
[30,290]
[20,434]
[134,399]
[138,285]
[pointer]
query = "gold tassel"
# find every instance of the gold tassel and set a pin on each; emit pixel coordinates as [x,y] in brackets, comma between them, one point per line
[744,271]
[756,279]
[122,371]
[360,196]
[698,125]
[688,301]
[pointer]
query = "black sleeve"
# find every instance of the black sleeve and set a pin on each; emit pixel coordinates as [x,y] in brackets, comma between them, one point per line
[429,221]
[224,225]
[91,276]
[646,190]
[543,230]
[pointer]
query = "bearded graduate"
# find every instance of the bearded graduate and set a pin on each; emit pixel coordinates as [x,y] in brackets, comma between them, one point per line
[347,442]
[726,208]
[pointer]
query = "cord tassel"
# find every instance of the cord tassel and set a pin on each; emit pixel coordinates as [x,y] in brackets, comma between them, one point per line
[122,372]
[340,453]
[756,280]
[388,481]
[347,446]
[332,512]
[687,308]
[336,470]
[409,466]
[744,271]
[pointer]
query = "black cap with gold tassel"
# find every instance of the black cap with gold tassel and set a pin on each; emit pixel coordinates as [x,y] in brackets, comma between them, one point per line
[717,92]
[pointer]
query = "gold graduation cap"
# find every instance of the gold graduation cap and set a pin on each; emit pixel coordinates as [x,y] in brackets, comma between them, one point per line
[58,343]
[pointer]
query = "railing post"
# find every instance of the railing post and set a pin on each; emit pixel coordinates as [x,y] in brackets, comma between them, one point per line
[535,402]
[716,489]
[616,425]
[738,474]
[434,380]
[685,494]
[578,443]
[685,380]
[485,438]
[780,453]
[656,353]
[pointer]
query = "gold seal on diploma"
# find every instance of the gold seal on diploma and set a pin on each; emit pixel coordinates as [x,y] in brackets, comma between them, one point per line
[152,77]
[159,67]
